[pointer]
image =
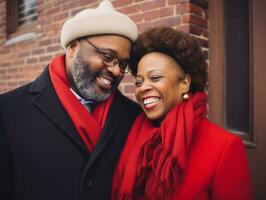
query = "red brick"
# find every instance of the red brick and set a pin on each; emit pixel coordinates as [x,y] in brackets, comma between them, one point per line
[45,58]
[165,12]
[152,5]
[196,30]
[171,21]
[196,10]
[23,54]
[137,18]
[53,48]
[3,71]
[201,3]
[58,2]
[198,21]
[6,77]
[18,62]
[130,9]
[56,39]
[52,11]
[184,28]
[45,21]
[172,2]
[12,84]
[5,64]
[129,88]
[60,17]
[143,26]
[32,60]
[203,42]
[23,82]
[69,5]
[45,42]
[4,51]
[192,19]
[189,8]
[152,15]
[75,11]
[185,19]
[12,70]
[37,51]
[119,3]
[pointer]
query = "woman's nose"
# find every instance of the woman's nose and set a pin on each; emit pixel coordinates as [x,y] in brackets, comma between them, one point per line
[145,87]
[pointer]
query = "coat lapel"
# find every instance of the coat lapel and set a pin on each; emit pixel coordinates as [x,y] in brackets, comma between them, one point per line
[110,126]
[46,100]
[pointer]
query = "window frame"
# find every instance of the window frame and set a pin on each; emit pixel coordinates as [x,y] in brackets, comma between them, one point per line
[12,27]
[217,72]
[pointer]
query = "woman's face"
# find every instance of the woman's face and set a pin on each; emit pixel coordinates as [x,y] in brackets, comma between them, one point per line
[160,83]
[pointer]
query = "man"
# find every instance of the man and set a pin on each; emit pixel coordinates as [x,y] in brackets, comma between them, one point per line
[62,134]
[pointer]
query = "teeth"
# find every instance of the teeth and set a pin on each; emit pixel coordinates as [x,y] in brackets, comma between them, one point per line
[151,100]
[106,81]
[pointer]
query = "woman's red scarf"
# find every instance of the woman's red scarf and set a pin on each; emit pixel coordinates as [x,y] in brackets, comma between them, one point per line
[154,158]
[88,125]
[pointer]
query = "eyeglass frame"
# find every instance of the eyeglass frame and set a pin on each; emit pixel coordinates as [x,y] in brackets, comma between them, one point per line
[114,61]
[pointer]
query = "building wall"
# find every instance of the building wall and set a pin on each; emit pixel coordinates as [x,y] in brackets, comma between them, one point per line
[21,61]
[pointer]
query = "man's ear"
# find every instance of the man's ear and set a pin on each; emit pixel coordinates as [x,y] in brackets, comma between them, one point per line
[186,83]
[72,47]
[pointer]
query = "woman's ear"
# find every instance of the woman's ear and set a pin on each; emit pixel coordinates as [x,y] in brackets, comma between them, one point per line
[186,83]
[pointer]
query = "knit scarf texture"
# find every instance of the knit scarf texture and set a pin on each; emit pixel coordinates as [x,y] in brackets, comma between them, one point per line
[88,125]
[153,161]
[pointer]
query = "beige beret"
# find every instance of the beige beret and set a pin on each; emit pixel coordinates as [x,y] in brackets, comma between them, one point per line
[96,21]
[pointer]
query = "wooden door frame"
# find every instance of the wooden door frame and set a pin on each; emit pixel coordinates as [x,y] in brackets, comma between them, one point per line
[256,145]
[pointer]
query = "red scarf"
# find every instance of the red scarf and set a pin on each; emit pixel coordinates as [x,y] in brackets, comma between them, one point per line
[154,158]
[88,125]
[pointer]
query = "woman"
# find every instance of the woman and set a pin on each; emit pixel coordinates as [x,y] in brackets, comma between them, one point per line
[173,151]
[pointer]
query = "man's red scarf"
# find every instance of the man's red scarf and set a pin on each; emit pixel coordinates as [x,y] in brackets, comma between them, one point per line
[88,125]
[154,158]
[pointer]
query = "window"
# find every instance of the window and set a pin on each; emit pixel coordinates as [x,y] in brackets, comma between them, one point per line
[251,63]
[231,67]
[21,16]
[237,66]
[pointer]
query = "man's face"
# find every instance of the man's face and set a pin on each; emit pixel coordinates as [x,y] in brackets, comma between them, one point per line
[92,78]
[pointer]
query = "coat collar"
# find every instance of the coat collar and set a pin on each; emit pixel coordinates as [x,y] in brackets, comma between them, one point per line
[45,99]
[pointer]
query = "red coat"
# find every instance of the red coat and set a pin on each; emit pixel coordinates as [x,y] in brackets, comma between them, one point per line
[217,167]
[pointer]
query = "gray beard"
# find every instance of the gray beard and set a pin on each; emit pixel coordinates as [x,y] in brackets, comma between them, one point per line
[84,79]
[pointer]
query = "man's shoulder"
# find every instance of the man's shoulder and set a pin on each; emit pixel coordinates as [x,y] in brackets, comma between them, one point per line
[126,100]
[125,103]
[15,93]
[25,90]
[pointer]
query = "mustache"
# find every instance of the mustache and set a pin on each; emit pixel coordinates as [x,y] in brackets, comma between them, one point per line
[108,75]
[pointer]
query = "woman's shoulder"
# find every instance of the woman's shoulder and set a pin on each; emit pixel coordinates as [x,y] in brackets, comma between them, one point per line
[213,133]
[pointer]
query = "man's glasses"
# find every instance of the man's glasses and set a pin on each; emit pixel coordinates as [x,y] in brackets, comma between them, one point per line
[110,59]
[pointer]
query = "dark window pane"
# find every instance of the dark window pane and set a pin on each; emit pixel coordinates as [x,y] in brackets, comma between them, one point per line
[238,109]
[26,11]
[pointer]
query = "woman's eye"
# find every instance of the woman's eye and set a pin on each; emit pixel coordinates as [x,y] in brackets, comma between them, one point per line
[138,83]
[155,78]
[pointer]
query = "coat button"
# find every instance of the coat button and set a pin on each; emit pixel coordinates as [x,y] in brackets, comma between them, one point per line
[88,182]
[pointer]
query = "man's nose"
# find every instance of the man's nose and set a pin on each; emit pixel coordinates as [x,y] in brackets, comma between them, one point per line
[114,69]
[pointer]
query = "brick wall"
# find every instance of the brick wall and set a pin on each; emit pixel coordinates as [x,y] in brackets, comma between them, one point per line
[21,62]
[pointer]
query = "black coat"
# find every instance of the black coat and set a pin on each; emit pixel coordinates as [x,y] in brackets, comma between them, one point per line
[42,156]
